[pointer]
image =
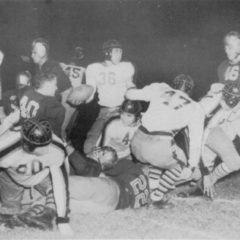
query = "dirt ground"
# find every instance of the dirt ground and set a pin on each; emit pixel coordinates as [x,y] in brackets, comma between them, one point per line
[191,218]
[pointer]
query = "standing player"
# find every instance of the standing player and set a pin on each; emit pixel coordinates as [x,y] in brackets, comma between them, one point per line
[110,79]
[32,158]
[229,69]
[40,56]
[169,111]
[119,131]
[122,184]
[221,138]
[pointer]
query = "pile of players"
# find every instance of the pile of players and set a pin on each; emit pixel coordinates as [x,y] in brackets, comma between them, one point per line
[131,158]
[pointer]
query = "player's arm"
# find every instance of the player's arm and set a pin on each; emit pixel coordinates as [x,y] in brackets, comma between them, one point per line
[130,79]
[107,134]
[212,99]
[143,94]
[90,80]
[10,120]
[61,195]
[55,112]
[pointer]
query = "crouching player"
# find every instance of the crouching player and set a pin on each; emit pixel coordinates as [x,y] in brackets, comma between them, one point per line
[170,110]
[221,139]
[107,184]
[32,158]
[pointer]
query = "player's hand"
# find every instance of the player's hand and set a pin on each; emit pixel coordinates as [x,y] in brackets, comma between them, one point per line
[1,57]
[65,229]
[217,87]
[208,187]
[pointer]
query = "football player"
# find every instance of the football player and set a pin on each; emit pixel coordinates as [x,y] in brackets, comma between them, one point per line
[12,97]
[229,69]
[45,65]
[119,130]
[32,158]
[169,111]
[221,139]
[110,184]
[41,103]
[110,80]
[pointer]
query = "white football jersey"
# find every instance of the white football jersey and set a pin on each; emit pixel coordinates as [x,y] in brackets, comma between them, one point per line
[25,168]
[119,136]
[171,110]
[111,82]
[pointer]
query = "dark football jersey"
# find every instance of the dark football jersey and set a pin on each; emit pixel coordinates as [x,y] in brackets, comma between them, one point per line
[229,72]
[133,184]
[36,105]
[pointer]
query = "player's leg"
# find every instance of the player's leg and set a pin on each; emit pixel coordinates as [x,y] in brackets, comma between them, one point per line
[90,194]
[11,195]
[104,115]
[220,144]
[167,182]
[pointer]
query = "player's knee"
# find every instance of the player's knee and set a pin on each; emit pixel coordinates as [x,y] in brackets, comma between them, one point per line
[233,165]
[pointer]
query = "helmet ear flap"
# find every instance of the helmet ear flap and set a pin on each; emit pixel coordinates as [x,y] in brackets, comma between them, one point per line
[108,46]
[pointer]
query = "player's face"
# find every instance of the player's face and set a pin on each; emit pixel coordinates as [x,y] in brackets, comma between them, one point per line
[116,55]
[105,157]
[128,119]
[38,53]
[232,49]
[22,81]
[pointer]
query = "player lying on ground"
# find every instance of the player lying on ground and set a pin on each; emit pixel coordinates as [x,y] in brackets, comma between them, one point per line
[119,131]
[106,184]
[169,111]
[31,157]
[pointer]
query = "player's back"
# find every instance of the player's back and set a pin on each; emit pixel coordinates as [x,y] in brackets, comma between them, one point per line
[41,107]
[169,109]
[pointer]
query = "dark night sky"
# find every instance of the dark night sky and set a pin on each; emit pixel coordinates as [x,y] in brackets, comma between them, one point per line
[162,37]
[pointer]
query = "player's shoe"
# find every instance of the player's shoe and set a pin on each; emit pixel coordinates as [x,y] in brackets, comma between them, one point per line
[194,189]
[164,203]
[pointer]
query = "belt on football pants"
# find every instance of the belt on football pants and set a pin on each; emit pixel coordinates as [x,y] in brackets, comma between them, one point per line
[159,133]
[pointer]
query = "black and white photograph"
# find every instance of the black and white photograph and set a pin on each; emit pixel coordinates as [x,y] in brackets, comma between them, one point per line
[119,119]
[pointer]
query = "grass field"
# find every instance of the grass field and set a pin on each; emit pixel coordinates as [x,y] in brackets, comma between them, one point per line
[191,218]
